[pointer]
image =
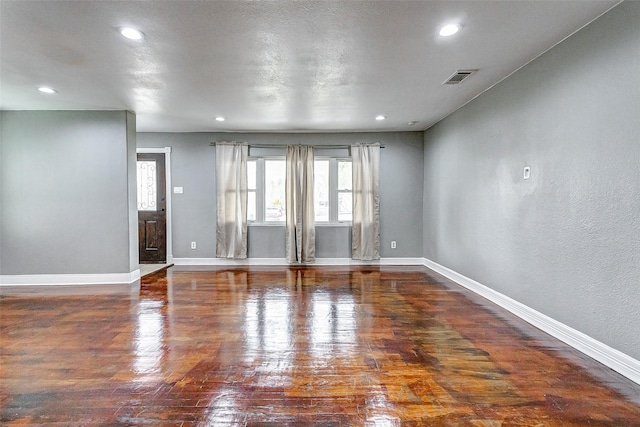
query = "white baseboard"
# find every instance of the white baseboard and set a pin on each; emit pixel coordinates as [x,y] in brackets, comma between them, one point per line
[401,261]
[228,262]
[283,261]
[69,279]
[608,356]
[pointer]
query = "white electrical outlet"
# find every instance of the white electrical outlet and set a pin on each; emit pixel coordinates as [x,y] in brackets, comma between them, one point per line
[527,172]
[193,245]
[393,244]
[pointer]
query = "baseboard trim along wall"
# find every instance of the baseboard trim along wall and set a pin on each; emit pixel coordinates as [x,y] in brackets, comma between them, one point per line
[128,278]
[69,279]
[608,356]
[283,261]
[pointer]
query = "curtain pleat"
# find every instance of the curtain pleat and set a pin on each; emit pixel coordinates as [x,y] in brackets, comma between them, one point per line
[231,188]
[300,225]
[365,231]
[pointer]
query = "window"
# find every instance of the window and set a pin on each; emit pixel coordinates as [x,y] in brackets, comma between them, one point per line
[321,180]
[332,198]
[251,190]
[275,176]
[266,190]
[345,200]
[266,180]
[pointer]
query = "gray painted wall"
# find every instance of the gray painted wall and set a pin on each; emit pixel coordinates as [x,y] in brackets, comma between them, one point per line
[193,167]
[566,242]
[132,192]
[64,198]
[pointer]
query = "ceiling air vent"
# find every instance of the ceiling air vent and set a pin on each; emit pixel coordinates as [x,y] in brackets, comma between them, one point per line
[458,77]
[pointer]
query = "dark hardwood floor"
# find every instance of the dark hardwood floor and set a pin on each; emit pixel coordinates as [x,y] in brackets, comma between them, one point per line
[293,346]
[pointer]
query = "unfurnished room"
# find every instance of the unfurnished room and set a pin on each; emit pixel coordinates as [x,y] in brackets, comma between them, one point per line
[336,213]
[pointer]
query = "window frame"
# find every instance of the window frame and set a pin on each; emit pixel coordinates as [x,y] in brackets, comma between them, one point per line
[338,190]
[260,190]
[333,191]
[252,190]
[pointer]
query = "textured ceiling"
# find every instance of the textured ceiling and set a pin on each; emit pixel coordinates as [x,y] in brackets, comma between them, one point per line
[271,65]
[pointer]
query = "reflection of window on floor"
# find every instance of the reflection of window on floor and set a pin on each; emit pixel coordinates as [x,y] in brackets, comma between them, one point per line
[223,408]
[266,181]
[268,333]
[148,337]
[269,329]
[333,325]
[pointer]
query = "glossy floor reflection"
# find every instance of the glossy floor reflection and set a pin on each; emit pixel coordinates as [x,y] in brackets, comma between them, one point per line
[294,346]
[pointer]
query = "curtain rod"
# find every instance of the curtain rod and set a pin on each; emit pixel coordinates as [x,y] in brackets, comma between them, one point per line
[319,147]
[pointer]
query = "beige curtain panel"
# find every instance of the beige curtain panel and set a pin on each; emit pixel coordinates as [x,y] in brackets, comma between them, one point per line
[231,188]
[300,229]
[365,230]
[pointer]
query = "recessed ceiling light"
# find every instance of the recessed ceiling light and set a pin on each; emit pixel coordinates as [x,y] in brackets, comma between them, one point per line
[412,123]
[219,119]
[45,89]
[131,33]
[380,117]
[449,30]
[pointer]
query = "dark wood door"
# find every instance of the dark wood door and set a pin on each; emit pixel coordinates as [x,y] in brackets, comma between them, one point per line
[152,215]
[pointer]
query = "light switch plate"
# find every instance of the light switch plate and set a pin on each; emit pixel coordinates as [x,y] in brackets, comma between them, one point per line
[177,190]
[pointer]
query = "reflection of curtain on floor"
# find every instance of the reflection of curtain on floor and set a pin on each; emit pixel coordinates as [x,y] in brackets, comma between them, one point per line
[365,231]
[238,284]
[300,230]
[231,190]
[298,279]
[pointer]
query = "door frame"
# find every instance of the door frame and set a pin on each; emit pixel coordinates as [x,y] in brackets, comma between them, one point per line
[167,168]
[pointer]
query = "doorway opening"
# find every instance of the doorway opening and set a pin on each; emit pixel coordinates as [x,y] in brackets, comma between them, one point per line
[152,208]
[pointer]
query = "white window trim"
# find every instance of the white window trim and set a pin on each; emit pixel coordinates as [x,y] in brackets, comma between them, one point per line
[333,193]
[260,206]
[338,191]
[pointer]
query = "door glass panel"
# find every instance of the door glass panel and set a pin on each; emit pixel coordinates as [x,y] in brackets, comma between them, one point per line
[147,185]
